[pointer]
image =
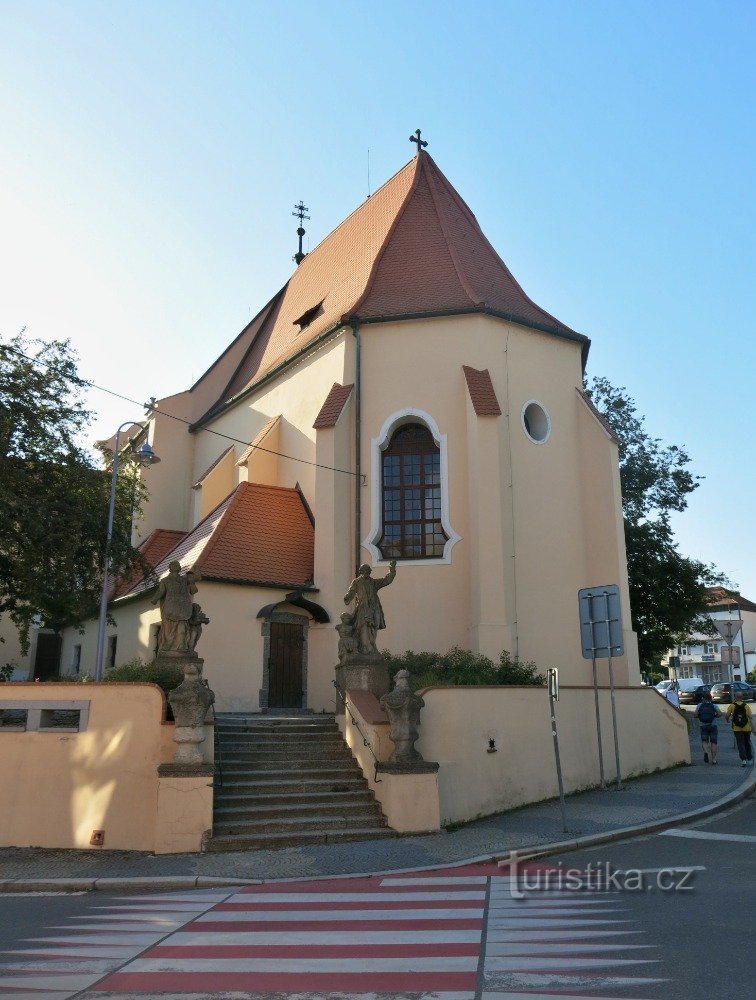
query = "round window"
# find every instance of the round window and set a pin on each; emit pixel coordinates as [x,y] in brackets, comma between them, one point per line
[536,422]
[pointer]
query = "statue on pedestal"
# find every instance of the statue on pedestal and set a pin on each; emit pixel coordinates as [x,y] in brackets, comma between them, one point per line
[181,621]
[174,595]
[368,614]
[403,706]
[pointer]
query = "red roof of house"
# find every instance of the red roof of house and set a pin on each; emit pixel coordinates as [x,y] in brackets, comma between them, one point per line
[258,534]
[334,403]
[482,392]
[155,546]
[412,248]
[724,597]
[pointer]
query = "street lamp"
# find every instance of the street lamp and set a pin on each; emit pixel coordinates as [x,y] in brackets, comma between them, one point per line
[143,456]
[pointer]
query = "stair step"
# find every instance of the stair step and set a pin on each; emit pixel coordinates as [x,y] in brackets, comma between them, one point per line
[254,741]
[252,757]
[249,811]
[266,841]
[328,769]
[288,781]
[294,785]
[295,824]
[233,798]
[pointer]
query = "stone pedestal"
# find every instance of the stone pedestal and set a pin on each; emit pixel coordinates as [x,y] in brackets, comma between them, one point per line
[362,672]
[184,808]
[189,702]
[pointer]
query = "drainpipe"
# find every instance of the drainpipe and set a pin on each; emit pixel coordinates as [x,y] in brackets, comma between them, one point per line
[355,323]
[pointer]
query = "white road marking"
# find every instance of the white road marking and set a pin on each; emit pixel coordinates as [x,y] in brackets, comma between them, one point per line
[736,838]
[292,916]
[188,938]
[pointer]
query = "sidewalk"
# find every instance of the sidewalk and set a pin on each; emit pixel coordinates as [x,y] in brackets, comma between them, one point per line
[642,801]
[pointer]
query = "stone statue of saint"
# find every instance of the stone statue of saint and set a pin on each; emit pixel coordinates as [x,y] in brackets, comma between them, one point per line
[368,615]
[174,595]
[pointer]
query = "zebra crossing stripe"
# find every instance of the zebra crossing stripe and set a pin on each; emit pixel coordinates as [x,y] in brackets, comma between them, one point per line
[420,935]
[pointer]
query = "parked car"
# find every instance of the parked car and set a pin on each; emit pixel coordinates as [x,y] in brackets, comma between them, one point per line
[722,693]
[694,696]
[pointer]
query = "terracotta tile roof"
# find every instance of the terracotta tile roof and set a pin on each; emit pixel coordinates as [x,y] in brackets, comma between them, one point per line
[210,467]
[721,596]
[258,439]
[334,403]
[259,534]
[153,549]
[482,392]
[412,248]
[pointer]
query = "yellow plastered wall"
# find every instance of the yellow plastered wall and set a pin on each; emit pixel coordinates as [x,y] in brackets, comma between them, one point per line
[231,645]
[57,787]
[215,485]
[298,396]
[458,723]
[525,548]
[168,482]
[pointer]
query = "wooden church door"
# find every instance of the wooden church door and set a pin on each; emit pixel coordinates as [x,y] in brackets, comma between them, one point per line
[285,665]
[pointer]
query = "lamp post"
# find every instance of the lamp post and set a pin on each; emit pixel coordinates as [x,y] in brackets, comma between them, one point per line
[144,456]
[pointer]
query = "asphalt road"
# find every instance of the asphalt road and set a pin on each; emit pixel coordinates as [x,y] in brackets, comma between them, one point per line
[704,931]
[674,920]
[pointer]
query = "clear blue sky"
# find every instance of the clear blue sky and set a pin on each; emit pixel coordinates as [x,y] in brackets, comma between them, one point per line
[152,153]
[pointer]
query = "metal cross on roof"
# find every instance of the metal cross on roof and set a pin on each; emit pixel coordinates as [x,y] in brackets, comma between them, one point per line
[299,213]
[421,143]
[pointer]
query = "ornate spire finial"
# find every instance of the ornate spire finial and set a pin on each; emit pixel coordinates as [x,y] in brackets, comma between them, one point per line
[299,213]
[421,143]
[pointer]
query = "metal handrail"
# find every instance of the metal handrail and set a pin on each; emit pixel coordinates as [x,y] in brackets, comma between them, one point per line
[217,754]
[356,725]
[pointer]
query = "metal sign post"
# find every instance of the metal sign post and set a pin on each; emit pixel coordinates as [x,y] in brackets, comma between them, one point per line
[728,629]
[552,679]
[601,638]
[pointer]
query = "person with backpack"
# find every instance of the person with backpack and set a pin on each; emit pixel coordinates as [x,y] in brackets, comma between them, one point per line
[707,714]
[740,715]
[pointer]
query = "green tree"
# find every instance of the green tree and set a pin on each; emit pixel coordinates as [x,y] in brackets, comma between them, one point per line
[53,514]
[667,589]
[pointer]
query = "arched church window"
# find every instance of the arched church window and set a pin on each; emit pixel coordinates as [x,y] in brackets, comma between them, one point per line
[411,495]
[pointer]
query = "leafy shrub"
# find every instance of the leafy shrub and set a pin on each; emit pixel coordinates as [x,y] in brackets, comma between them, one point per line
[6,672]
[137,671]
[462,667]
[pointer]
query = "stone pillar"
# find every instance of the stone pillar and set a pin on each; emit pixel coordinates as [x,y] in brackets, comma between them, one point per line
[189,702]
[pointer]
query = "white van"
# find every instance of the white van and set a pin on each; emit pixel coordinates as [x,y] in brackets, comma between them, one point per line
[688,683]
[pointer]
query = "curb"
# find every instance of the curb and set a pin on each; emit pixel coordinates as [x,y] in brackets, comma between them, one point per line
[178,882]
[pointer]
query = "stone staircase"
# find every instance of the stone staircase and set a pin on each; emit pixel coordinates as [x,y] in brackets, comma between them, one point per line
[288,781]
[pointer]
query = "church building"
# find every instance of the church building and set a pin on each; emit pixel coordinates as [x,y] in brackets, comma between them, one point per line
[401,398]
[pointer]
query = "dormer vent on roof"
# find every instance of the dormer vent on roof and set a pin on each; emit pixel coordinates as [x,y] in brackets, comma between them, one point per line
[309,315]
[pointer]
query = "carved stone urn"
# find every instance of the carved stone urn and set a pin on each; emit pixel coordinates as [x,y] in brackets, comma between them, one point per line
[190,702]
[403,706]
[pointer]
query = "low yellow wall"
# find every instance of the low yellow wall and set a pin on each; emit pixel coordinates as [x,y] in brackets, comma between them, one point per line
[57,787]
[457,724]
